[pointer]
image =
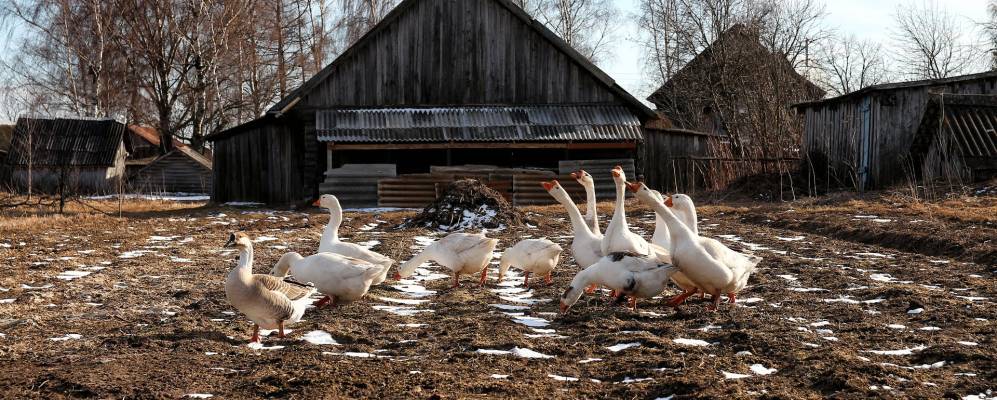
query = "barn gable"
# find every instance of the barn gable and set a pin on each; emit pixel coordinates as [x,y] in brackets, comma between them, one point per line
[472,52]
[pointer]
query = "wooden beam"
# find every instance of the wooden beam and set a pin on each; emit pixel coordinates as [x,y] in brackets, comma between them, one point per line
[481,145]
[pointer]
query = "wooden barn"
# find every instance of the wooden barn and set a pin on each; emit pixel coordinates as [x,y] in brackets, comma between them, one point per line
[724,115]
[727,84]
[864,139]
[437,83]
[84,155]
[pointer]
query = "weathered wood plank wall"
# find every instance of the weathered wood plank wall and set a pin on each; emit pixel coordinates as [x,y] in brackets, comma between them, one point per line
[174,173]
[447,52]
[833,141]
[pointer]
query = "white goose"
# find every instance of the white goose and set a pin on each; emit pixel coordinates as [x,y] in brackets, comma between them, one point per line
[330,242]
[618,237]
[635,276]
[591,216]
[663,239]
[461,253]
[268,301]
[536,256]
[709,264]
[340,278]
[585,244]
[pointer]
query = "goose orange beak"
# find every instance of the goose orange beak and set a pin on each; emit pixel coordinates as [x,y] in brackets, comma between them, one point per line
[634,186]
[398,276]
[668,201]
[616,173]
[317,202]
[564,308]
[549,185]
[576,175]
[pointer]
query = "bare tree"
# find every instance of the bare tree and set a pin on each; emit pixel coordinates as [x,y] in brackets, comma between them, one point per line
[359,16]
[933,43]
[586,25]
[849,64]
[991,29]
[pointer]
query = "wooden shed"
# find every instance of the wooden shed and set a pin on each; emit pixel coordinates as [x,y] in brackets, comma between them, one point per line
[85,155]
[182,170]
[435,83]
[863,139]
[957,138]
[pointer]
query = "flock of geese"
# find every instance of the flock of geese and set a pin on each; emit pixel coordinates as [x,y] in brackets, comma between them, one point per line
[618,259]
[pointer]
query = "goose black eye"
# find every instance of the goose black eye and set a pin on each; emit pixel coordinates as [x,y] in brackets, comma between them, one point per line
[231,237]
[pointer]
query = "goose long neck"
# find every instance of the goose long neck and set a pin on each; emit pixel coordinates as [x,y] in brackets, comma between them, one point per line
[285,262]
[331,233]
[691,220]
[577,223]
[590,206]
[408,267]
[676,229]
[620,213]
[244,268]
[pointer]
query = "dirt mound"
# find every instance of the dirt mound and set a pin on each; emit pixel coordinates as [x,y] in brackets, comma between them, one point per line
[467,204]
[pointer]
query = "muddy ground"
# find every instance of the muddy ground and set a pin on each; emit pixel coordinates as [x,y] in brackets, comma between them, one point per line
[831,312]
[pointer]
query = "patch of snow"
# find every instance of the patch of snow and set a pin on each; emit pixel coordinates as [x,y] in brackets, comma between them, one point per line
[915,311]
[972,298]
[874,255]
[28,287]
[403,311]
[622,346]
[896,326]
[806,290]
[562,378]
[900,352]
[589,360]
[759,369]
[262,239]
[319,337]
[70,336]
[628,380]
[412,325]
[509,307]
[70,275]
[199,395]
[135,253]
[516,351]
[7,301]
[964,343]
[691,342]
[414,290]
[497,376]
[401,301]
[743,353]
[731,375]
[788,277]
[790,239]
[929,328]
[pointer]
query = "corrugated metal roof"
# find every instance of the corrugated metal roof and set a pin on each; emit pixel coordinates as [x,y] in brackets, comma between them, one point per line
[64,141]
[479,124]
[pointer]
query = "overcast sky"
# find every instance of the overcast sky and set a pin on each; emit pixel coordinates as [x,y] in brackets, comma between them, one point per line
[871,19]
